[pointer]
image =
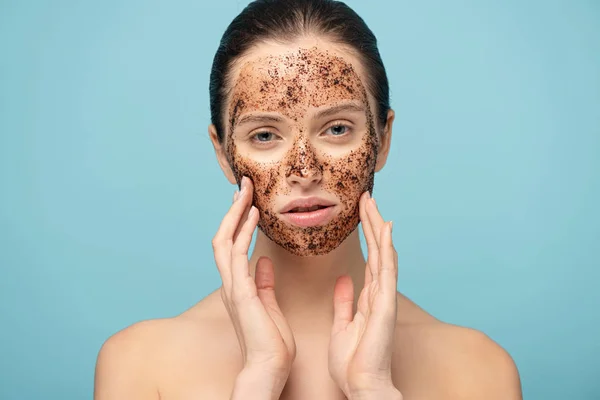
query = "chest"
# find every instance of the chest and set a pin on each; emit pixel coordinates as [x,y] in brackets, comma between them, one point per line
[209,372]
[214,377]
[301,385]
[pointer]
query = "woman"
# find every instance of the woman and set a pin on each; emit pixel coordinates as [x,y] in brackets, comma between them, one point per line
[301,121]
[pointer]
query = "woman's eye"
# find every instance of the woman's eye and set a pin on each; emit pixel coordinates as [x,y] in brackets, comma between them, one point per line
[338,130]
[263,136]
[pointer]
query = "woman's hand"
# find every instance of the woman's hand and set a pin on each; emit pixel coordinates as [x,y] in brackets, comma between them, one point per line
[360,348]
[265,338]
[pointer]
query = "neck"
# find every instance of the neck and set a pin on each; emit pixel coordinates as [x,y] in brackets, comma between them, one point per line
[304,285]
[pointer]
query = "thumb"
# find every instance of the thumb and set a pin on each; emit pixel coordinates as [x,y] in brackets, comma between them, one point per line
[264,277]
[265,287]
[343,301]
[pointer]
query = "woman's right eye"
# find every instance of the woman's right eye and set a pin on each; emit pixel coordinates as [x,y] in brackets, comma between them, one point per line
[263,137]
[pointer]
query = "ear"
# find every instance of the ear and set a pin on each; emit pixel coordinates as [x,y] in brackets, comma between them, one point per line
[220,152]
[386,140]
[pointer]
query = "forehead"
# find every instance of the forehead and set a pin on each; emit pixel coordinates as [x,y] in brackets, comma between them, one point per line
[290,79]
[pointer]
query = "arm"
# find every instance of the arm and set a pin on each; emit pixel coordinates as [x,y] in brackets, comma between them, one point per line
[257,385]
[123,368]
[389,393]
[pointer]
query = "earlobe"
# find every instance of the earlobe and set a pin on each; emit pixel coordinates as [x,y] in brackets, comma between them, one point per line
[220,153]
[386,140]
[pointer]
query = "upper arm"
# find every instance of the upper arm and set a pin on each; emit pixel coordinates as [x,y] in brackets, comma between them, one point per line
[125,367]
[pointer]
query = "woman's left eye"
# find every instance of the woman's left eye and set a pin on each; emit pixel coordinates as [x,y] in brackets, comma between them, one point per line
[338,130]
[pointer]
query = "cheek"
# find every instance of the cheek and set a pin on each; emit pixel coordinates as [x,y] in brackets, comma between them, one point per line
[354,174]
[264,178]
[347,178]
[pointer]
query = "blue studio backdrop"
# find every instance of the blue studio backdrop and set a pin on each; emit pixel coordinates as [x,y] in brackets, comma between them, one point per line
[111,194]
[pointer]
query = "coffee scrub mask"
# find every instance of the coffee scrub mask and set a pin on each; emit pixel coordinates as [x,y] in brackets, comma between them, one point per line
[290,85]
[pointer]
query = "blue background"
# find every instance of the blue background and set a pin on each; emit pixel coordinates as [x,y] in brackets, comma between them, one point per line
[110,191]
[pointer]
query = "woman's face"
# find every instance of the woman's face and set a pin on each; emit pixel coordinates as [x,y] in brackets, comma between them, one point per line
[300,127]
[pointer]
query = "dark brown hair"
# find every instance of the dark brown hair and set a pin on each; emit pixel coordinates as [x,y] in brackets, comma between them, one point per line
[285,20]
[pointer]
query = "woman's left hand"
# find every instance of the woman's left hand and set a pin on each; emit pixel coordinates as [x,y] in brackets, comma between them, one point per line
[360,347]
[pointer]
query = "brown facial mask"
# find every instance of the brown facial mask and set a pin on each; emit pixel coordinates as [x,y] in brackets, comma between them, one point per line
[290,85]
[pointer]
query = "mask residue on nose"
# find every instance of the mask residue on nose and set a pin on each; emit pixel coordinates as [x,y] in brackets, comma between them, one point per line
[290,84]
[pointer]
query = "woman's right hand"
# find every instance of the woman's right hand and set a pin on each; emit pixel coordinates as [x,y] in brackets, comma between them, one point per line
[265,337]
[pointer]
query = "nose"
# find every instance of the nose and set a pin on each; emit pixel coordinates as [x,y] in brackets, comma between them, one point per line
[303,167]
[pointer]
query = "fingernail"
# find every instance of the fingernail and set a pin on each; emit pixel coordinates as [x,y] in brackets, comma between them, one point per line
[243,185]
[236,195]
[368,195]
[391,226]
[252,211]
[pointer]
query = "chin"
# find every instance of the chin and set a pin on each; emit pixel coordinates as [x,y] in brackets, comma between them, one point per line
[310,241]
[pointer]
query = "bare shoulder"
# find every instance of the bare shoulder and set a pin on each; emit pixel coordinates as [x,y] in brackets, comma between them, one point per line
[124,368]
[464,362]
[138,361]
[477,367]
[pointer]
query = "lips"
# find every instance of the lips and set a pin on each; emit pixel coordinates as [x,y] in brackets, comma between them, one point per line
[312,211]
[306,205]
[306,209]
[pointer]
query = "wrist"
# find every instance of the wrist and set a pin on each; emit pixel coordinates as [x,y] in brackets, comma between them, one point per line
[387,393]
[257,384]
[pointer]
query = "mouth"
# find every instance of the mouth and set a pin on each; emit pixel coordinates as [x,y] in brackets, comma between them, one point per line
[306,209]
[308,212]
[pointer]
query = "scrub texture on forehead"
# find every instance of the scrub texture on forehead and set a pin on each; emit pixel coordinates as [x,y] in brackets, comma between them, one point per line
[291,84]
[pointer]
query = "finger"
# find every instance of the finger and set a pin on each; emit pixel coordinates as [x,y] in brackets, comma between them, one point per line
[264,277]
[343,302]
[379,332]
[372,248]
[242,219]
[259,330]
[254,311]
[378,337]
[244,215]
[242,285]
[232,218]
[364,218]
[388,272]
[375,219]
[223,239]
[368,274]
[248,192]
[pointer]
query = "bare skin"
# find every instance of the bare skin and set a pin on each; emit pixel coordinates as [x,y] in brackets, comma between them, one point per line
[196,355]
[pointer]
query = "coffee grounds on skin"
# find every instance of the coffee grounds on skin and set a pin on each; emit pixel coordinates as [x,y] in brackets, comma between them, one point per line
[290,84]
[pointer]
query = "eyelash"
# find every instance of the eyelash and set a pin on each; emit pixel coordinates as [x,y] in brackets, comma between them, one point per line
[340,123]
[254,139]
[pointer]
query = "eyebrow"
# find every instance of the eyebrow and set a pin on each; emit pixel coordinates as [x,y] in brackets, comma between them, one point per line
[348,107]
[259,119]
